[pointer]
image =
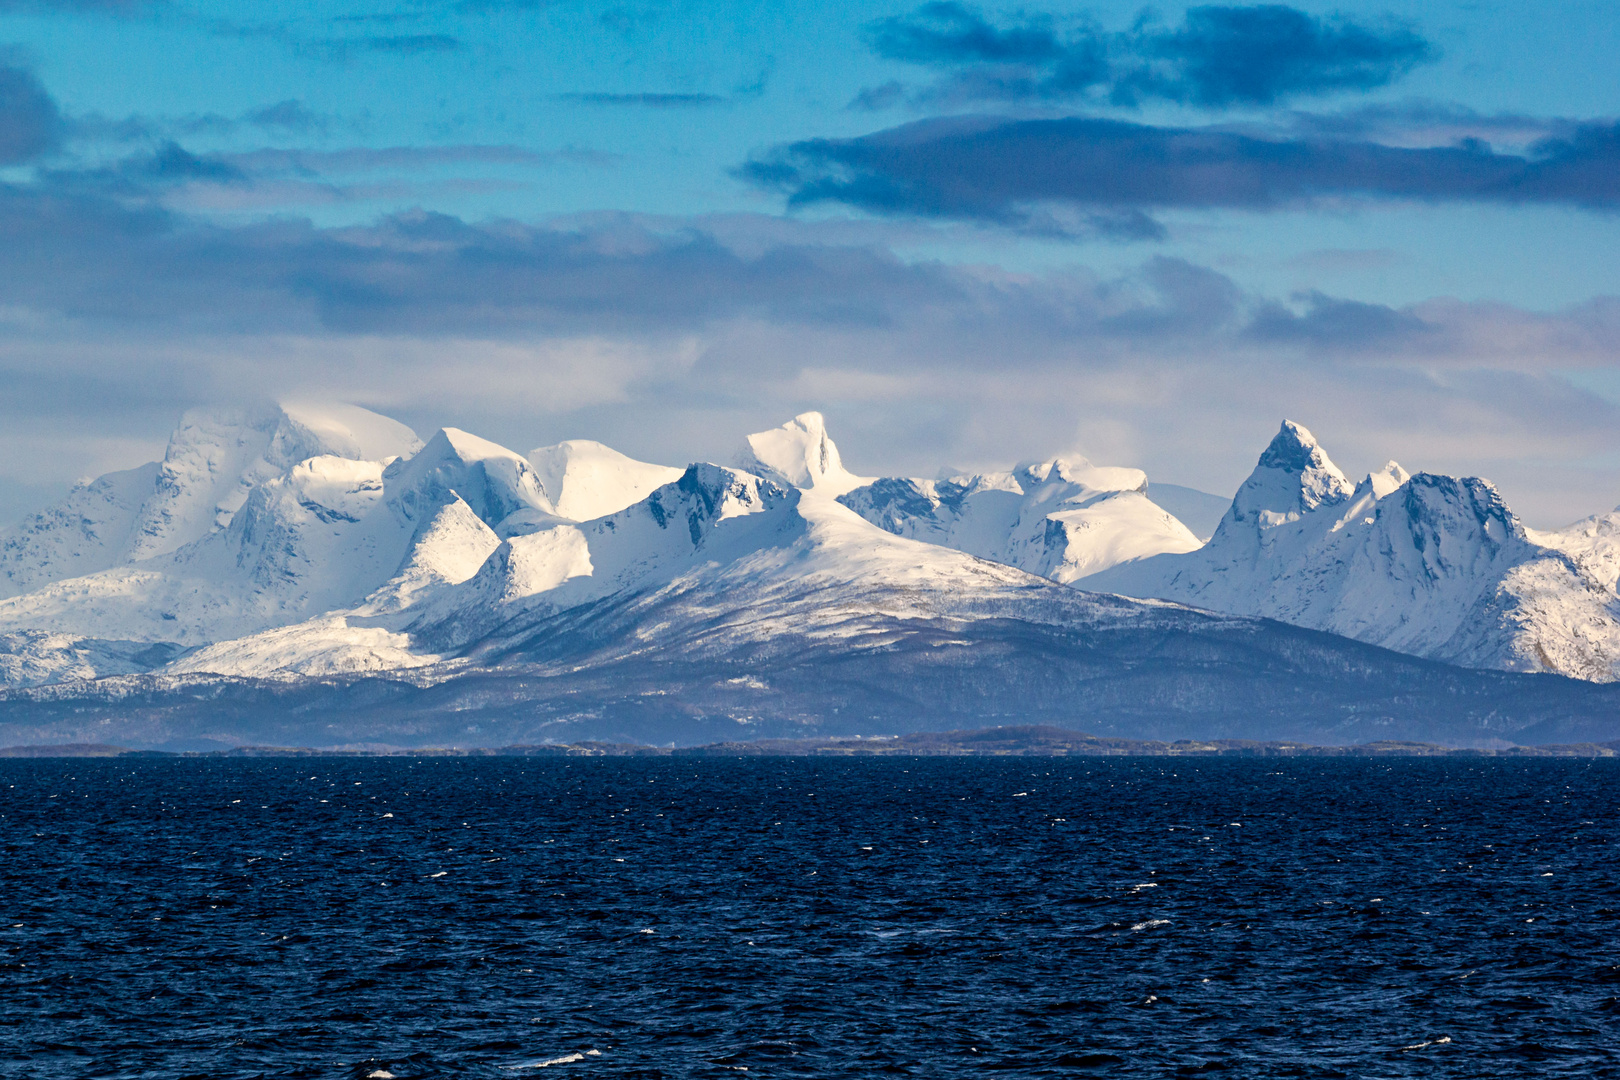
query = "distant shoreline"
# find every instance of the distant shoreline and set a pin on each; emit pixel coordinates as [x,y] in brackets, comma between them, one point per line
[1029,741]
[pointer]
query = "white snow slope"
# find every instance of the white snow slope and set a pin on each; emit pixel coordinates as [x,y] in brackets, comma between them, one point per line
[751,539]
[1064,519]
[586,480]
[257,523]
[214,460]
[323,535]
[756,561]
[1430,565]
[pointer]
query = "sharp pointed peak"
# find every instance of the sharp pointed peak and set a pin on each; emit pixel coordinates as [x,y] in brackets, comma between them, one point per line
[467,446]
[1293,449]
[800,453]
[1293,476]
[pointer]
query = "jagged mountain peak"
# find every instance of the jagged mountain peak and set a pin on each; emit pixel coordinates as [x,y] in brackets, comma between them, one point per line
[1460,506]
[1293,449]
[1437,566]
[469,447]
[1293,477]
[706,495]
[800,454]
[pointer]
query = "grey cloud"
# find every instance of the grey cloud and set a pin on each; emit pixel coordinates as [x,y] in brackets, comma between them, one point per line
[1219,56]
[82,254]
[1256,55]
[994,169]
[1337,323]
[671,338]
[30,123]
[944,33]
[289,115]
[140,177]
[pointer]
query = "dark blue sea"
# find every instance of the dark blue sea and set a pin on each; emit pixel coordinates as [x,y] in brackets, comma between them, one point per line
[624,917]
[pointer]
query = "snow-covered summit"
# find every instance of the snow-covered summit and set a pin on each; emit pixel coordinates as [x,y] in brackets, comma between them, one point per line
[1063,519]
[499,485]
[800,454]
[349,431]
[587,480]
[1383,481]
[1293,477]
[216,456]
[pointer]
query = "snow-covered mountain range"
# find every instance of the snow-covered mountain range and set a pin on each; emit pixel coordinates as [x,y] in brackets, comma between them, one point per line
[1435,566]
[329,547]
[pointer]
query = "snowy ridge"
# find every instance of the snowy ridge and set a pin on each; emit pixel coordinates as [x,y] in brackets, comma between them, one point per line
[498,485]
[587,480]
[37,657]
[322,536]
[440,599]
[710,516]
[1430,565]
[92,529]
[214,460]
[1061,519]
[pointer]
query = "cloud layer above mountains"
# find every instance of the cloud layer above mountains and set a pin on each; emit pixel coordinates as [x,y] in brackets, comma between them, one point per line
[667,336]
[1140,236]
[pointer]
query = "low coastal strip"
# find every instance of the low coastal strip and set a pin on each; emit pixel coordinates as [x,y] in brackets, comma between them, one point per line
[1020,741]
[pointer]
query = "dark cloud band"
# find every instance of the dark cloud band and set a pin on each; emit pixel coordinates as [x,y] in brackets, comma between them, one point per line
[30,124]
[996,170]
[1218,56]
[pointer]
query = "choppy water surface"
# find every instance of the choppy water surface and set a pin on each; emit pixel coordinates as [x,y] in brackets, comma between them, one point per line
[939,917]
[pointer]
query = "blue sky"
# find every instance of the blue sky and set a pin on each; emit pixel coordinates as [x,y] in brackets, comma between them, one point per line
[969,234]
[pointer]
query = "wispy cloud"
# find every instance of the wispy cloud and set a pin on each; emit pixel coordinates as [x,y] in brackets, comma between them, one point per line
[275,179]
[289,115]
[127,8]
[648,100]
[1218,56]
[1335,323]
[1420,123]
[343,48]
[360,159]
